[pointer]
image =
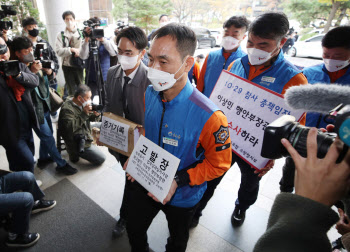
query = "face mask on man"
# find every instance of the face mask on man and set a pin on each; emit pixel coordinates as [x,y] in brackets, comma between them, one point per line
[335,65]
[70,24]
[28,58]
[85,103]
[34,32]
[257,56]
[163,80]
[127,62]
[229,43]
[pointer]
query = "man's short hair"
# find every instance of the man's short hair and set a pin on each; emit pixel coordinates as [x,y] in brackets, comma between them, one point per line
[186,40]
[238,22]
[20,43]
[163,15]
[337,37]
[201,56]
[67,13]
[271,25]
[28,21]
[136,35]
[81,90]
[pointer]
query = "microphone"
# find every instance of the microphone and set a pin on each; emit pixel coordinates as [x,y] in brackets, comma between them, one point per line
[317,97]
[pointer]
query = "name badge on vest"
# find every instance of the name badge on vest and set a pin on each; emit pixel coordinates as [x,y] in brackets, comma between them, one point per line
[170,141]
[267,80]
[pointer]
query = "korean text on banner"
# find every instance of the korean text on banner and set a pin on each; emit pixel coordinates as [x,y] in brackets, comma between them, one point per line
[114,133]
[153,167]
[249,108]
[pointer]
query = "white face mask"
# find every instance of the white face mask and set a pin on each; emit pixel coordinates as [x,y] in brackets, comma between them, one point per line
[229,43]
[70,24]
[335,65]
[257,56]
[162,80]
[127,62]
[85,103]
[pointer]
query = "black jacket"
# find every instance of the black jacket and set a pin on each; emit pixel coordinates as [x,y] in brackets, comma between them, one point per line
[9,114]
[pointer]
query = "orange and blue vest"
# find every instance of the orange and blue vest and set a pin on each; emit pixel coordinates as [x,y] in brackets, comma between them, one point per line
[274,78]
[319,74]
[182,120]
[215,64]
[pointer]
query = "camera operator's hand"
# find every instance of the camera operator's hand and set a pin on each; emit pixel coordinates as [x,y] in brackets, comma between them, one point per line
[265,170]
[321,180]
[87,109]
[101,39]
[343,225]
[75,51]
[36,66]
[88,31]
[96,113]
[48,71]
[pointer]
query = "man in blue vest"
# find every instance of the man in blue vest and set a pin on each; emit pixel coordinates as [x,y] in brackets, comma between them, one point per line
[265,66]
[334,70]
[105,48]
[188,125]
[235,29]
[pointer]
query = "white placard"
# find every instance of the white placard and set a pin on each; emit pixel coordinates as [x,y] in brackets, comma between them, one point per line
[153,167]
[249,108]
[115,134]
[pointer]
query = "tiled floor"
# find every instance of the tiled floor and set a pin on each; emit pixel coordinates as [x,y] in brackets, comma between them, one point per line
[105,185]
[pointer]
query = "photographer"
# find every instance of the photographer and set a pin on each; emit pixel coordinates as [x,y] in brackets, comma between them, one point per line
[300,221]
[68,45]
[30,28]
[105,48]
[48,152]
[17,114]
[74,125]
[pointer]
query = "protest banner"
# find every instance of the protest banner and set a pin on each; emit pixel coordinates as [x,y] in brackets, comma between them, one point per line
[249,108]
[153,167]
[119,133]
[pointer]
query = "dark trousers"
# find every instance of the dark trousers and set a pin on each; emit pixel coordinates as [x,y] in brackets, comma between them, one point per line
[21,155]
[74,77]
[287,180]
[20,203]
[248,190]
[142,210]
[123,208]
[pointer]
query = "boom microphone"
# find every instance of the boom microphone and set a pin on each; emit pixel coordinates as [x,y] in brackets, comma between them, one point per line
[317,97]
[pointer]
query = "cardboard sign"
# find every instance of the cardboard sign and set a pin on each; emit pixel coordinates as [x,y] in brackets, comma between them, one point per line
[249,108]
[118,133]
[153,167]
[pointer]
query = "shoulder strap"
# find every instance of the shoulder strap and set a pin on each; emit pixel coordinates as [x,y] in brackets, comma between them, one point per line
[63,40]
[47,87]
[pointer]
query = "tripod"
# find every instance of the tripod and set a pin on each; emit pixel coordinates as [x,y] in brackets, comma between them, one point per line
[101,91]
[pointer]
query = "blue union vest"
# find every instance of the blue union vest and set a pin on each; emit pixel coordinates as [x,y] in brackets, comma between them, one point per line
[183,120]
[274,78]
[215,64]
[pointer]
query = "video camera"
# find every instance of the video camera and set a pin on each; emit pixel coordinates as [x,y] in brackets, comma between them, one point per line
[38,54]
[296,134]
[121,25]
[97,107]
[7,10]
[95,33]
[9,68]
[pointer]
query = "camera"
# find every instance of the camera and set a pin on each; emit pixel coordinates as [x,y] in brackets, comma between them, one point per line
[121,25]
[296,134]
[38,54]
[9,68]
[7,10]
[97,107]
[80,140]
[95,33]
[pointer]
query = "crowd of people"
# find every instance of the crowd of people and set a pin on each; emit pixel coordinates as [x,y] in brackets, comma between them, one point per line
[170,93]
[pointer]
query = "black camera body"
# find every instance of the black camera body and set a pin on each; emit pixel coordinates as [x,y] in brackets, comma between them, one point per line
[38,54]
[7,10]
[80,140]
[9,68]
[95,33]
[97,107]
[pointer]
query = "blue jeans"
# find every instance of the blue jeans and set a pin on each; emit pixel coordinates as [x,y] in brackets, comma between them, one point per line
[47,142]
[20,203]
[21,155]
